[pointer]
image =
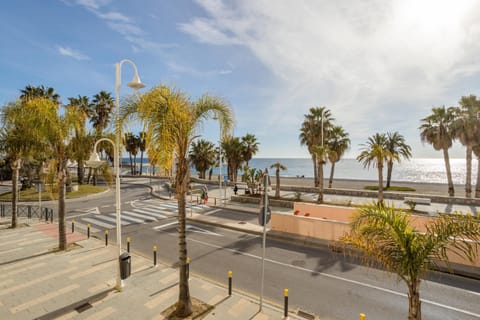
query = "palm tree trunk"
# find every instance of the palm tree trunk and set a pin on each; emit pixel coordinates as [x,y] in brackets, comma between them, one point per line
[477,187]
[184,304]
[80,171]
[380,182]
[414,303]
[389,172]
[277,183]
[332,171]
[210,174]
[15,172]
[131,163]
[134,164]
[141,162]
[62,237]
[451,191]
[315,171]
[468,178]
[320,184]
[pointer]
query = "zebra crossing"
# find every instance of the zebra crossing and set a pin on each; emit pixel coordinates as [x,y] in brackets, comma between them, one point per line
[140,212]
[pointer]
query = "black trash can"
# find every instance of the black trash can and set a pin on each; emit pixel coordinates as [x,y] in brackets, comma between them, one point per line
[125,265]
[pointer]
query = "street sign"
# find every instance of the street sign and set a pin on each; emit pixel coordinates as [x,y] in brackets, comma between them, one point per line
[261,215]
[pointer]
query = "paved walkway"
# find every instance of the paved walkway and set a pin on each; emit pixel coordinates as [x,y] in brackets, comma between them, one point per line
[37,282]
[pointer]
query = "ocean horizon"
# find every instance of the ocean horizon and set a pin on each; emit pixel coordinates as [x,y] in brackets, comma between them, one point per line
[422,170]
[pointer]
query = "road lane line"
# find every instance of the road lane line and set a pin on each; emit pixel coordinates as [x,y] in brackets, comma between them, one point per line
[336,277]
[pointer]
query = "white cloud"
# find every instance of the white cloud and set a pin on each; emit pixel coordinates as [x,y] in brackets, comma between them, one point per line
[379,65]
[175,67]
[69,52]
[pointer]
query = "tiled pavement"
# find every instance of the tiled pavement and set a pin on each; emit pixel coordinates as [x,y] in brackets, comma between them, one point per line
[37,282]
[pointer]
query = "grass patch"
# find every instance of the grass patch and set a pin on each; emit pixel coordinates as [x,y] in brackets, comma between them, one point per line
[31,195]
[405,189]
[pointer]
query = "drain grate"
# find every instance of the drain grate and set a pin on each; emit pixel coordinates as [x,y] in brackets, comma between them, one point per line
[242,222]
[83,307]
[306,315]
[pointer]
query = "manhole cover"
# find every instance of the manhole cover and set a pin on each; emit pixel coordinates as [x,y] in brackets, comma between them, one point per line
[148,220]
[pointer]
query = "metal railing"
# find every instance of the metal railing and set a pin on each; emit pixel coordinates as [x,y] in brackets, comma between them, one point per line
[26,211]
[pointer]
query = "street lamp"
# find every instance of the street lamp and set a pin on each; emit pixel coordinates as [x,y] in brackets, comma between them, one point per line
[134,84]
[220,163]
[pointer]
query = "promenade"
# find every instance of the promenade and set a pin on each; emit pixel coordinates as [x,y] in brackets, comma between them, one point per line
[37,282]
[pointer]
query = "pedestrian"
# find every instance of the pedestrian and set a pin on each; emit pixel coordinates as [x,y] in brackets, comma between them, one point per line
[235,189]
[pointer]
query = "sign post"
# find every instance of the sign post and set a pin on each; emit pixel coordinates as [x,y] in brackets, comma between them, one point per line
[264,221]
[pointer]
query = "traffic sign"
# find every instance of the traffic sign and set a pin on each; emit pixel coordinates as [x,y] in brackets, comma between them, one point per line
[262,215]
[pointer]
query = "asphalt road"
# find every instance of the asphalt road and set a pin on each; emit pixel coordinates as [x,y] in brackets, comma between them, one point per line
[320,281]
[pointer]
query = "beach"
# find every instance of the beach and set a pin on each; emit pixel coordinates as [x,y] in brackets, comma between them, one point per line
[420,188]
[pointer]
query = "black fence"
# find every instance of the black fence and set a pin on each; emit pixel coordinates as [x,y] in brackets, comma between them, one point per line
[26,211]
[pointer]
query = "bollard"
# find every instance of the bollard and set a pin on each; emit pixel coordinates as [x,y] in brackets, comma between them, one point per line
[285,304]
[188,268]
[46,215]
[106,237]
[230,273]
[154,256]
[73,225]
[362,316]
[88,230]
[128,244]
[51,216]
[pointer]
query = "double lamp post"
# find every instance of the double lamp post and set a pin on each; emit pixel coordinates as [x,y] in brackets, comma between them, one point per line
[95,159]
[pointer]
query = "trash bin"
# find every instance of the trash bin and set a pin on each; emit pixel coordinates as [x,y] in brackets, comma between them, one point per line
[125,265]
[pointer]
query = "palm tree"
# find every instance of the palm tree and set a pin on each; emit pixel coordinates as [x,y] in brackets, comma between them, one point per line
[202,156]
[101,109]
[399,148]
[171,120]
[142,146]
[82,142]
[437,129]
[321,154]
[314,132]
[129,142]
[466,129]
[32,92]
[250,147]
[19,138]
[375,153]
[233,151]
[278,166]
[386,235]
[338,143]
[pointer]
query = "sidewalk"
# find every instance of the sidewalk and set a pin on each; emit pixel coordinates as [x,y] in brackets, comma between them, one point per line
[37,282]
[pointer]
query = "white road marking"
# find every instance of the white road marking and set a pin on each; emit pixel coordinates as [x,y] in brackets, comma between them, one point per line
[99,223]
[210,212]
[165,225]
[336,277]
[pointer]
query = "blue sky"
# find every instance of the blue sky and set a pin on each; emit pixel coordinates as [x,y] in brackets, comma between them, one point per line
[377,65]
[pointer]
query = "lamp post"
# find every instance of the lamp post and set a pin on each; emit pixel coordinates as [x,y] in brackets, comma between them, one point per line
[134,84]
[220,163]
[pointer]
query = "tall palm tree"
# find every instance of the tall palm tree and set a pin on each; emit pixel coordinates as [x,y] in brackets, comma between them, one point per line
[129,142]
[375,153]
[55,127]
[437,129]
[399,148]
[142,145]
[278,166]
[313,132]
[338,143]
[171,121]
[466,128]
[82,142]
[31,92]
[202,156]
[19,137]
[386,235]
[321,154]
[233,151]
[250,147]
[101,110]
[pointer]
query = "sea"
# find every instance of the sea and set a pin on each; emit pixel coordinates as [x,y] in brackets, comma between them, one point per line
[414,170]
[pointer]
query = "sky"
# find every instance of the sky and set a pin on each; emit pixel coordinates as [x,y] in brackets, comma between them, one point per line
[378,65]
